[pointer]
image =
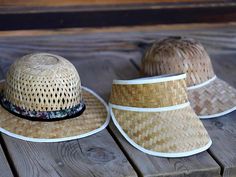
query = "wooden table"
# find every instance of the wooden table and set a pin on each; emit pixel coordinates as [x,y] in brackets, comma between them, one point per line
[101,55]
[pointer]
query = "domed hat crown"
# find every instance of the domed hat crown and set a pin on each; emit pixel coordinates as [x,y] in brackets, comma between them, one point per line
[209,95]
[42,84]
[178,55]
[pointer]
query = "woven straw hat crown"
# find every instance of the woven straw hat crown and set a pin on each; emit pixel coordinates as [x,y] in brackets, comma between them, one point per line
[178,55]
[43,82]
[155,95]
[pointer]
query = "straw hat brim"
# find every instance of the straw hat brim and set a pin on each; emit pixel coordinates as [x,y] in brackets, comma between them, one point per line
[213,99]
[94,119]
[173,133]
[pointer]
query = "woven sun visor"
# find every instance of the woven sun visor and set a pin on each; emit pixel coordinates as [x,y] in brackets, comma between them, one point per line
[209,96]
[155,116]
[42,100]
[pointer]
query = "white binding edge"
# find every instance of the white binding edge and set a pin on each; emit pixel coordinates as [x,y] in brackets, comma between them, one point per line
[155,153]
[150,80]
[66,138]
[218,114]
[202,84]
[169,108]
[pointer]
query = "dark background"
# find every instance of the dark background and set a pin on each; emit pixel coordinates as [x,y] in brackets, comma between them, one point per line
[42,14]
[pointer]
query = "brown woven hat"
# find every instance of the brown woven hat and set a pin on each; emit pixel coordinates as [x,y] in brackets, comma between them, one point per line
[154,115]
[209,96]
[42,100]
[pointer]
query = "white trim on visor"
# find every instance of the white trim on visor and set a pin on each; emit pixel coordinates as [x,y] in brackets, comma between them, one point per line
[169,108]
[66,138]
[202,84]
[218,114]
[155,153]
[151,80]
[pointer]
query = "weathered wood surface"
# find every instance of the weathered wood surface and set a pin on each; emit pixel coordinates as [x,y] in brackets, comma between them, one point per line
[223,129]
[96,155]
[101,57]
[5,170]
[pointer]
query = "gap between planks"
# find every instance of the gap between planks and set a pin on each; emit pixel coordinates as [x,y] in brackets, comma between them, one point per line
[7,161]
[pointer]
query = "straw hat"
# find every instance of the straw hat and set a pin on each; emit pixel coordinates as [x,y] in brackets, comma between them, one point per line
[154,115]
[42,101]
[209,96]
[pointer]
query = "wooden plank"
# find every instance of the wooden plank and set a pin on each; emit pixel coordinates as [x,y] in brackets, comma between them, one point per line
[157,29]
[5,170]
[96,155]
[103,56]
[222,130]
[223,134]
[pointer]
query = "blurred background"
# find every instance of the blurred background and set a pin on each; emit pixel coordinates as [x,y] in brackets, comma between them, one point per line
[45,14]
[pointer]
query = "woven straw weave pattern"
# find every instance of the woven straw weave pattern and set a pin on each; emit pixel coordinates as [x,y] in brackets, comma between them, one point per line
[213,98]
[43,82]
[178,55]
[170,131]
[154,95]
[92,118]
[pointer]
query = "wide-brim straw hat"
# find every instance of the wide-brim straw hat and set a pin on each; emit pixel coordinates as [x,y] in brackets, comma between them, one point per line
[209,96]
[154,115]
[42,100]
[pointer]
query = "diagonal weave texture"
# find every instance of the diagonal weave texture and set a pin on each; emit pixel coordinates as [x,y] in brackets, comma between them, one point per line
[214,98]
[178,55]
[92,118]
[169,132]
[154,95]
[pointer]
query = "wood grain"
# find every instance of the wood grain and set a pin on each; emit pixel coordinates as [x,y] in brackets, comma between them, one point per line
[222,130]
[5,170]
[103,56]
[96,155]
